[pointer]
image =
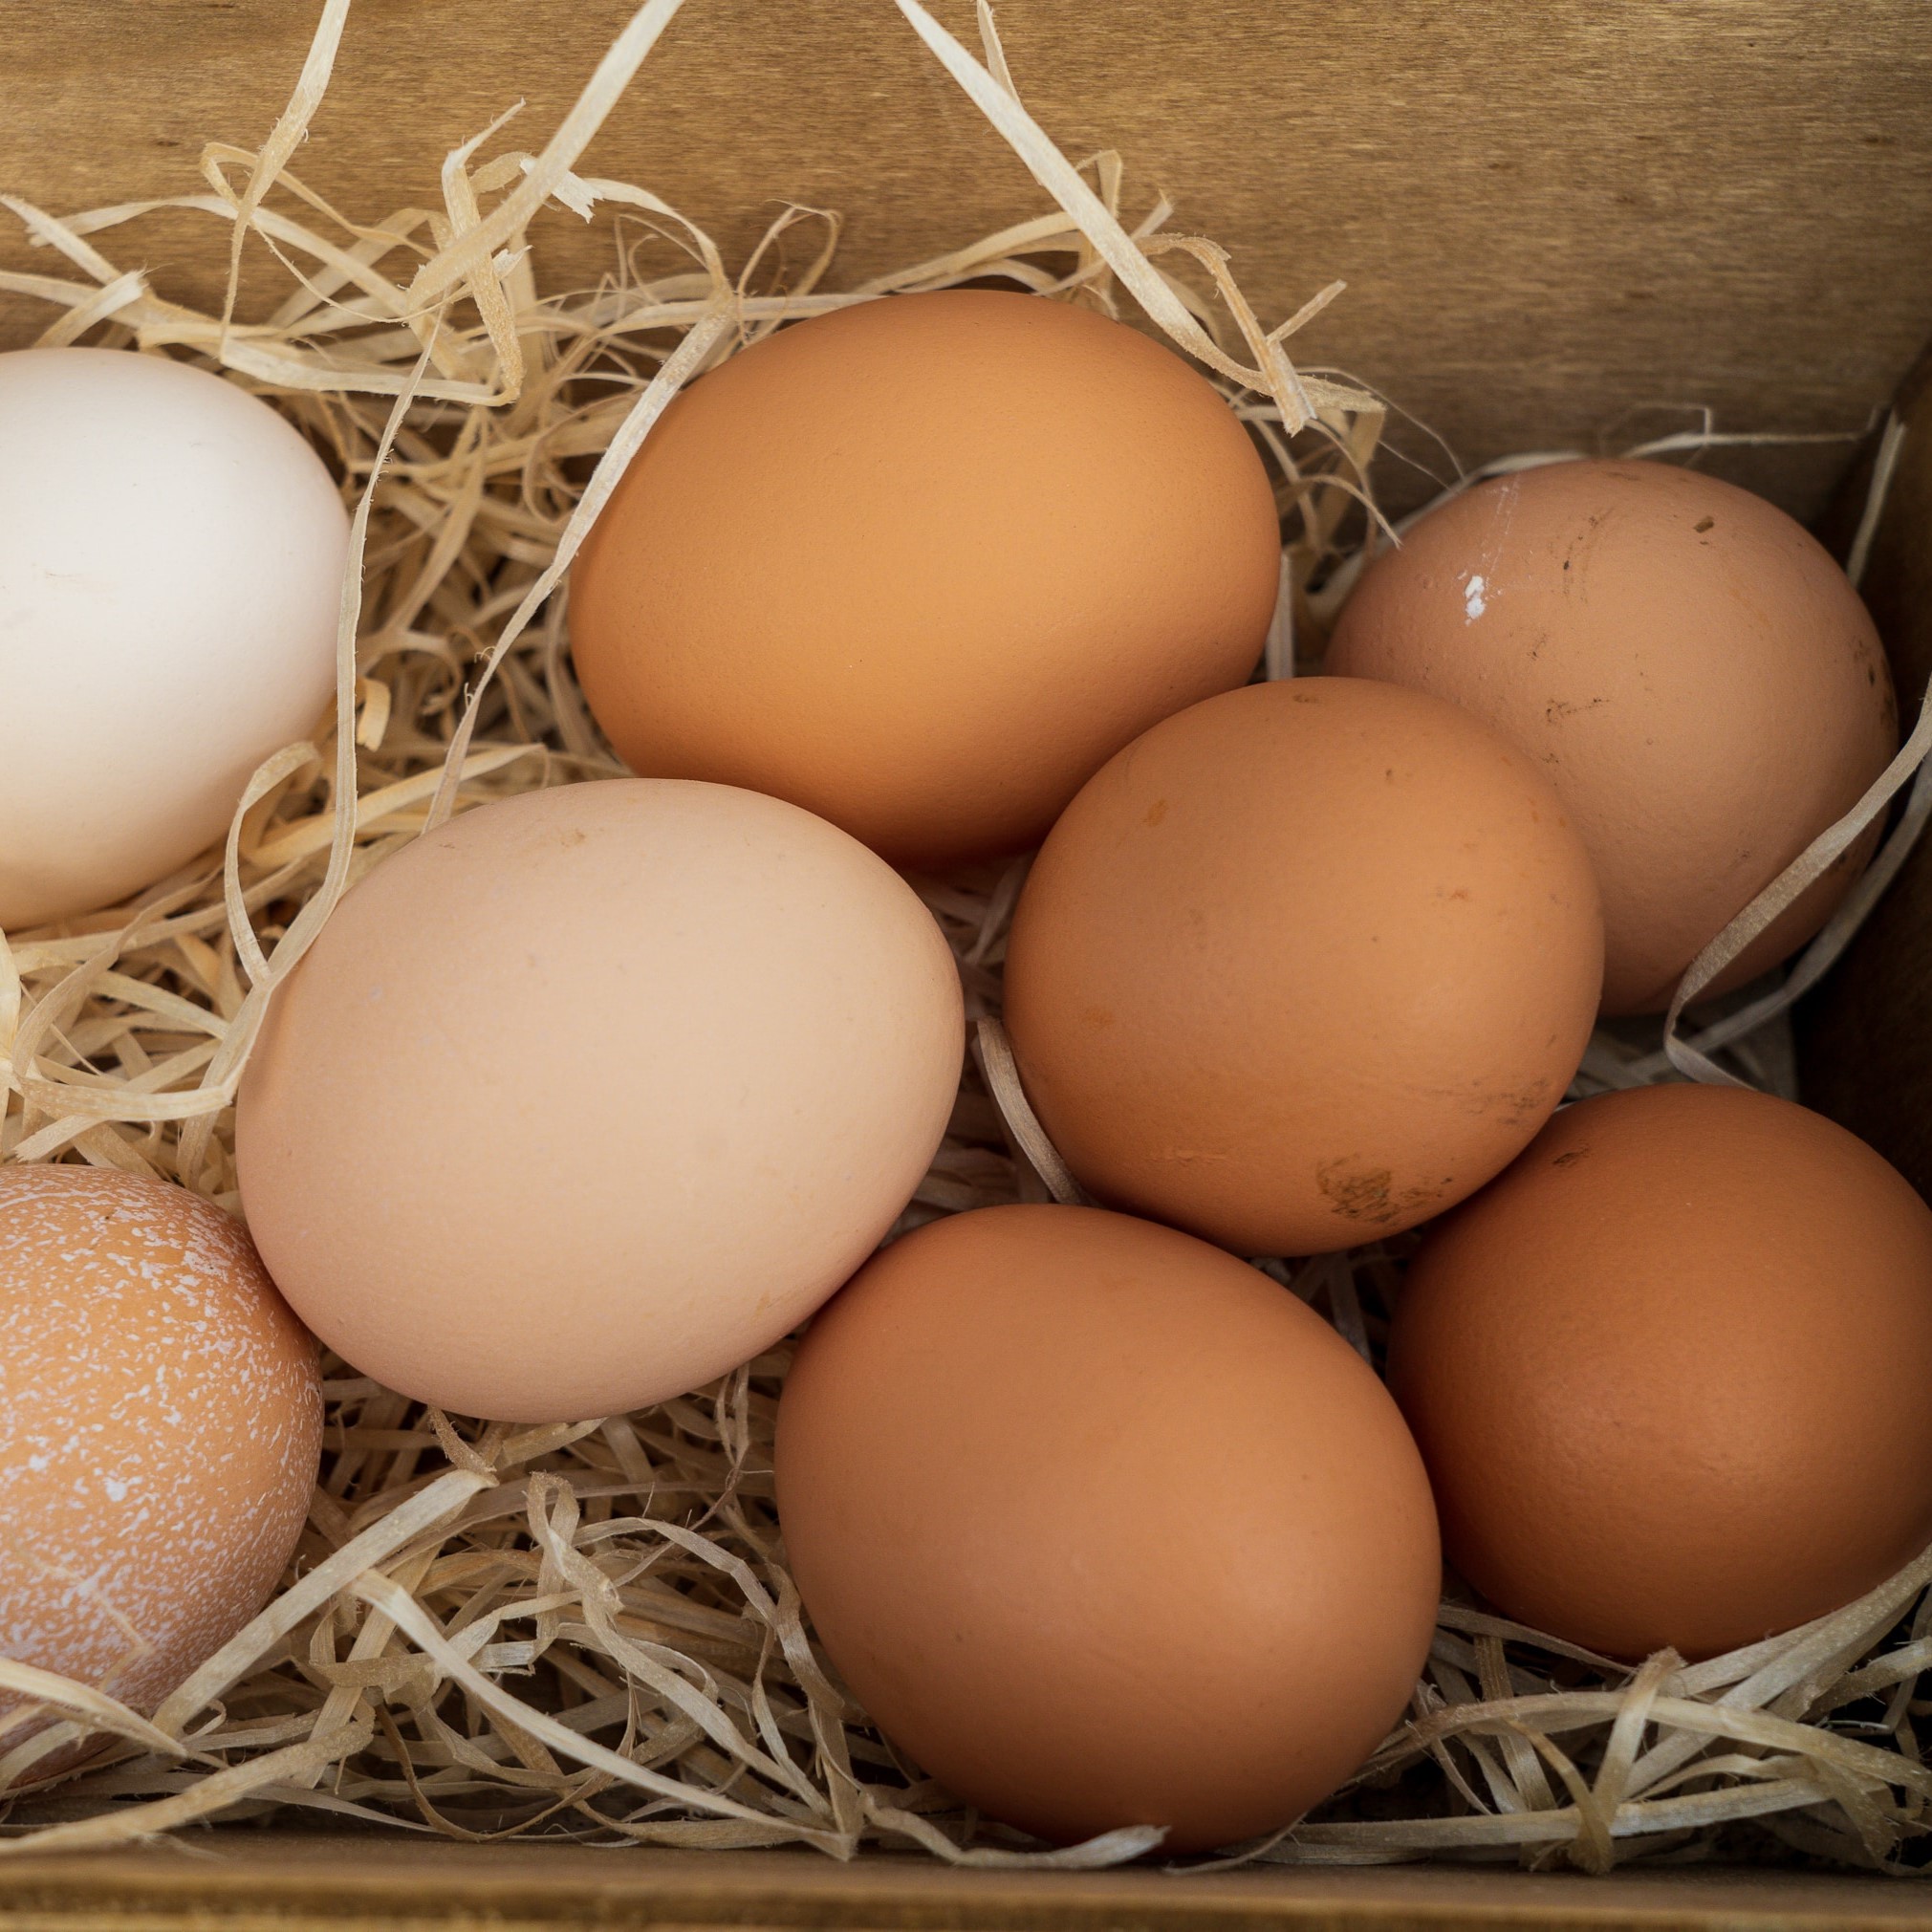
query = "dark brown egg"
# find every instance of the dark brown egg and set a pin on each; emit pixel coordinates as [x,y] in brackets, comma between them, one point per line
[1670,1372]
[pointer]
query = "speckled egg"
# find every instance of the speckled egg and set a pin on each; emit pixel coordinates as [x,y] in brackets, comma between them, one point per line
[1687,665]
[160,1416]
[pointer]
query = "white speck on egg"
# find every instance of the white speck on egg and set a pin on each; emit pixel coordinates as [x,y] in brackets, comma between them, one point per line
[145,1360]
[1473,604]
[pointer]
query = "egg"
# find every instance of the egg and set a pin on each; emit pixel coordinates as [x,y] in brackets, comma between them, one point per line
[1689,666]
[592,1094]
[923,565]
[1303,965]
[171,557]
[160,1417]
[1669,1373]
[1104,1528]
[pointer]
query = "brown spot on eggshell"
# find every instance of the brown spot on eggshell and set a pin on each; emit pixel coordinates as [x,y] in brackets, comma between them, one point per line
[1559,708]
[1370,1194]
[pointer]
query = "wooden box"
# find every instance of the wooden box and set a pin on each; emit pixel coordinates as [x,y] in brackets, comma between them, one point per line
[1566,225]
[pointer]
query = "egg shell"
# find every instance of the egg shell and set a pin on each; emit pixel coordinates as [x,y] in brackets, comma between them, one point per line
[1689,666]
[1669,1373]
[171,556]
[1103,1526]
[1303,965]
[923,565]
[592,1094]
[160,1416]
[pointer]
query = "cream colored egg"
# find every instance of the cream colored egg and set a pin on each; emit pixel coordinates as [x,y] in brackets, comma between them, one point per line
[593,1093]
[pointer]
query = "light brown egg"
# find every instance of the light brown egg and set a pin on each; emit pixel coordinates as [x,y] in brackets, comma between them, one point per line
[1304,965]
[1690,667]
[923,565]
[1669,1373]
[1103,1528]
[592,1094]
[160,1416]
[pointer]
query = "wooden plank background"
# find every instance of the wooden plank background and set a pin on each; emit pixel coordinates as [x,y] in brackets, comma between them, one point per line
[247,1880]
[1563,223]
[1865,1035]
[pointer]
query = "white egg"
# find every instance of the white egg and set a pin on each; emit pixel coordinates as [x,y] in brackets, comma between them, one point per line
[171,556]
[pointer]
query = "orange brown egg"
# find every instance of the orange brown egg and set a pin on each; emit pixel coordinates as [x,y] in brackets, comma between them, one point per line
[1103,1526]
[1303,965]
[923,565]
[1669,1373]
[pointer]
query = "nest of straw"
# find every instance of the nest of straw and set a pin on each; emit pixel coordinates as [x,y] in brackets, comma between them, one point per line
[589,1630]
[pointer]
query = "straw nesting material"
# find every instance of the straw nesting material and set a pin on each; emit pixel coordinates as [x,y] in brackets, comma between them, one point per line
[588,1629]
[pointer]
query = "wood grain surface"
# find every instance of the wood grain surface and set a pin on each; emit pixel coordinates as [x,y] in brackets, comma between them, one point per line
[255,1881]
[1865,1036]
[1566,223]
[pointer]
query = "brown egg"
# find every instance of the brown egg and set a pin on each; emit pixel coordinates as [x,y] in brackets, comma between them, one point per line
[1304,965]
[160,1417]
[1669,1373]
[592,1094]
[1699,680]
[1103,1528]
[923,565]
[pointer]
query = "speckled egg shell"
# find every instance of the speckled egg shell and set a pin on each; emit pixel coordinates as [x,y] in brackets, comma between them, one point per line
[160,1417]
[1304,965]
[1689,666]
[1669,1373]
[923,565]
[1103,1526]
